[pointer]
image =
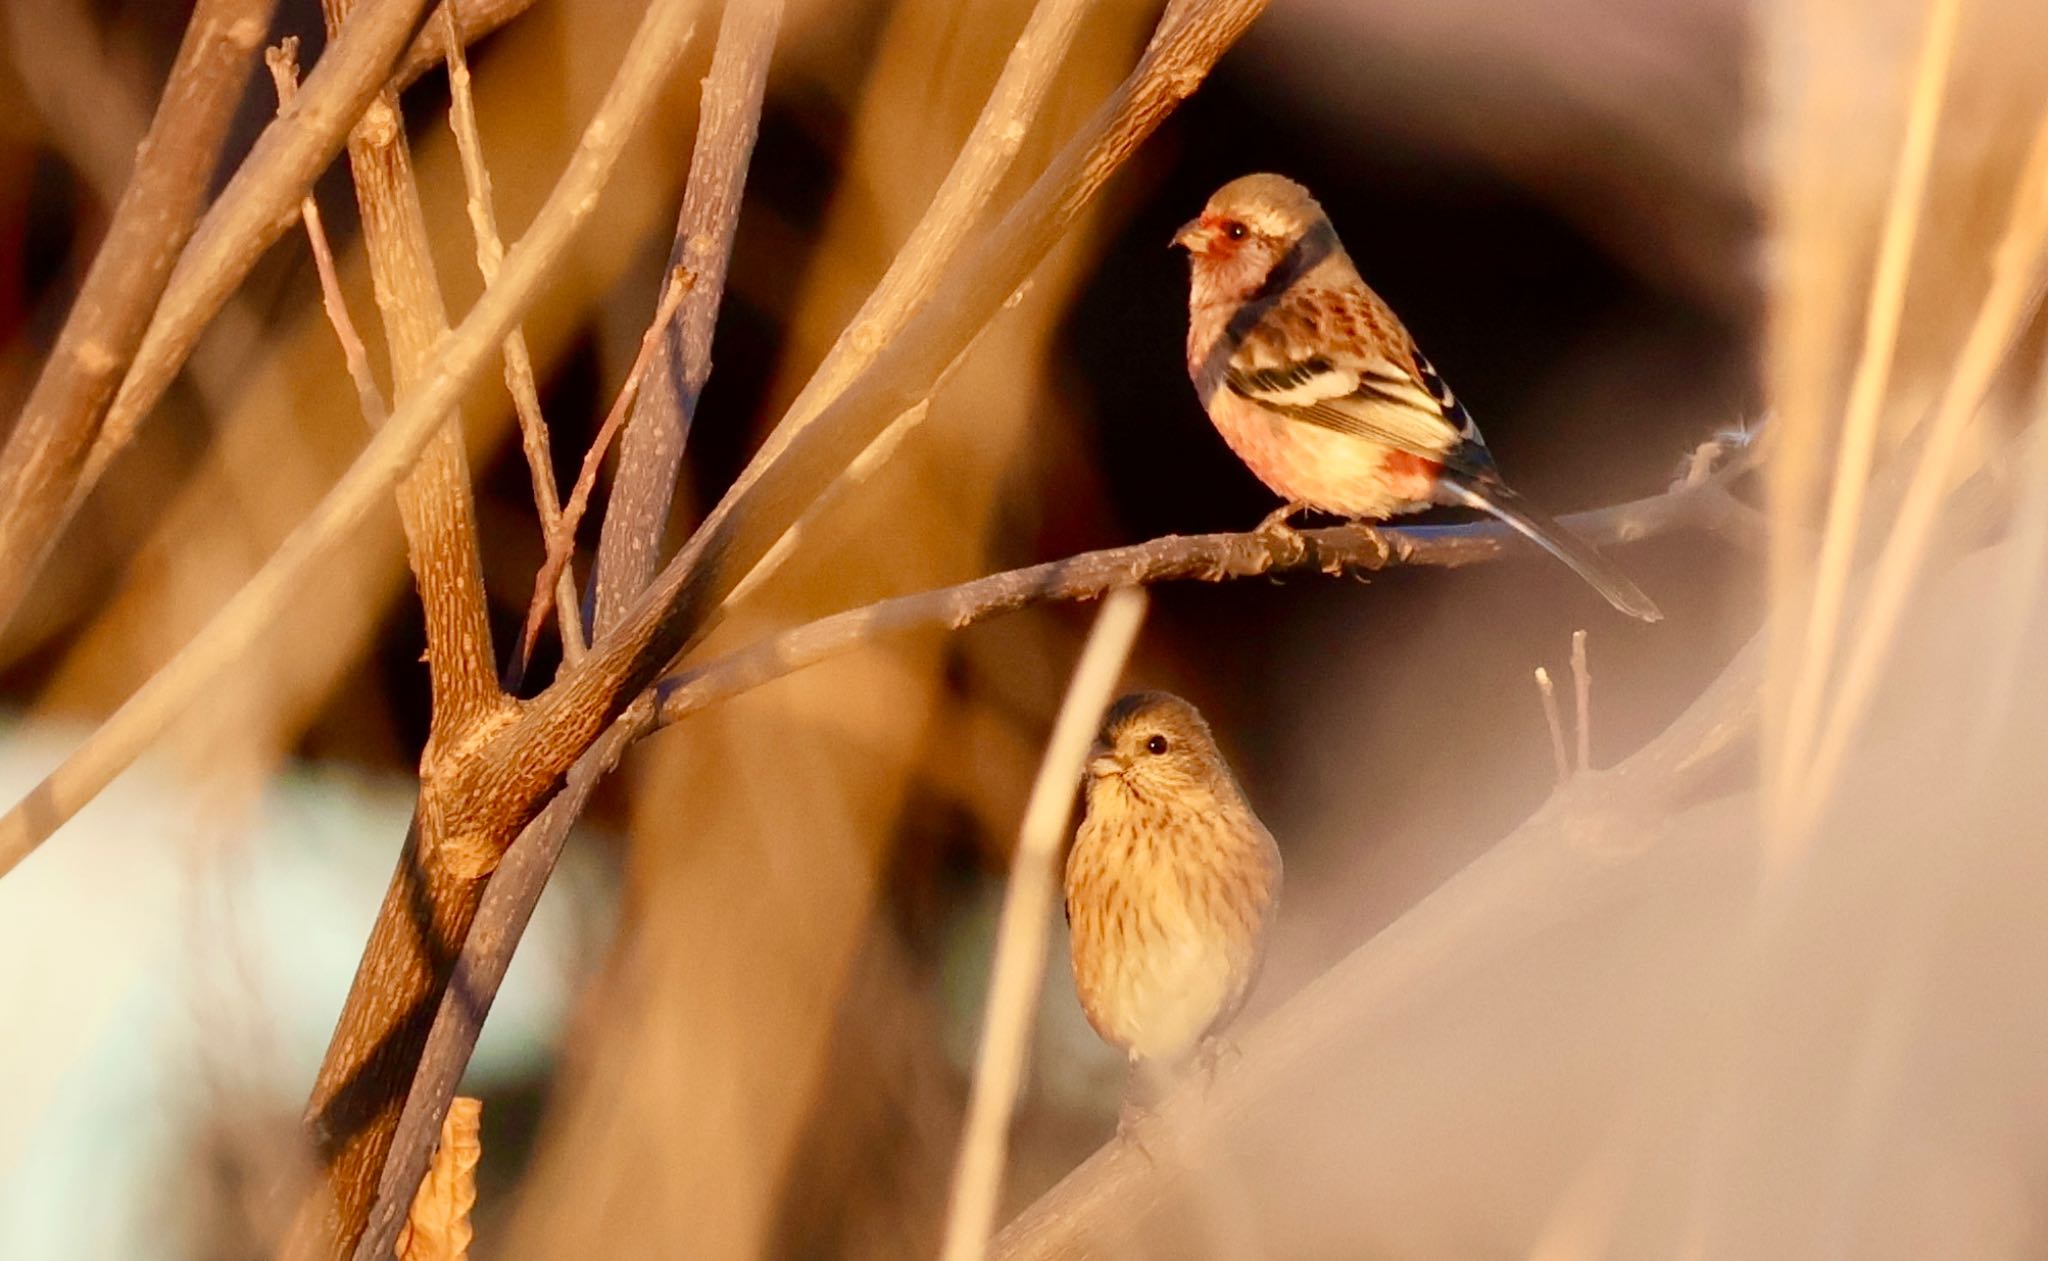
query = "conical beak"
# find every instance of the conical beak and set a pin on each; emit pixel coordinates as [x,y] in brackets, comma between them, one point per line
[1190,235]
[1103,761]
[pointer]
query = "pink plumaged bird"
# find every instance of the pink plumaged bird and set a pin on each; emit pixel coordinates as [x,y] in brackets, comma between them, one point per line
[1322,393]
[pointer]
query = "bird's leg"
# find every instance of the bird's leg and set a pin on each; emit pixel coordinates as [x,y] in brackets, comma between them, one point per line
[1275,531]
[1215,1052]
[1133,1118]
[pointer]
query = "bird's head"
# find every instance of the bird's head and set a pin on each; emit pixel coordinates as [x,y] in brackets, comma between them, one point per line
[1156,745]
[1248,228]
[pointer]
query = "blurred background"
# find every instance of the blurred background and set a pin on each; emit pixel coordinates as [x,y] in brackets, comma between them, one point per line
[746,1019]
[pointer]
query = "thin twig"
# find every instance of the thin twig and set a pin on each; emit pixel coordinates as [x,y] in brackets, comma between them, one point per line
[562,540]
[48,443]
[283,60]
[1867,393]
[651,453]
[1548,691]
[1018,970]
[1582,701]
[519,378]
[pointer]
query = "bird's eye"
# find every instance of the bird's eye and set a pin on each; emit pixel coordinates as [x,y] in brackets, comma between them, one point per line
[1156,745]
[1236,231]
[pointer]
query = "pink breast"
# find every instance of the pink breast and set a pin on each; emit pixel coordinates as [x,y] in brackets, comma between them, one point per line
[1334,472]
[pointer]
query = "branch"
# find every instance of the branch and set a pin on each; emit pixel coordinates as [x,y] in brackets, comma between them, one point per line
[957,207]
[251,213]
[652,452]
[656,48]
[1346,549]
[283,61]
[775,487]
[434,499]
[151,223]
[561,541]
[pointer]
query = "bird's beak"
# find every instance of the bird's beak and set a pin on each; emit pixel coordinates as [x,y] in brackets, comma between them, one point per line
[1191,235]
[1103,762]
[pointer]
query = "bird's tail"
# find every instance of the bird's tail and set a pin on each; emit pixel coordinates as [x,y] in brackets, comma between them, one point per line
[1525,519]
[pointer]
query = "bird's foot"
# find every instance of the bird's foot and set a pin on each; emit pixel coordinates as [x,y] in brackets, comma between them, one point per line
[1276,532]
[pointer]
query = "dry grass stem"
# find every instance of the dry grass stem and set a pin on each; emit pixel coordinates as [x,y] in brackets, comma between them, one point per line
[1555,721]
[1019,965]
[2013,297]
[1858,443]
[519,379]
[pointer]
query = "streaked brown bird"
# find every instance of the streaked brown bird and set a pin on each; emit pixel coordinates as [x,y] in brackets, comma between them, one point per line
[1172,885]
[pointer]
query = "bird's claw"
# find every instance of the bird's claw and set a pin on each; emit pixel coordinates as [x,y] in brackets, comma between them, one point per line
[1277,534]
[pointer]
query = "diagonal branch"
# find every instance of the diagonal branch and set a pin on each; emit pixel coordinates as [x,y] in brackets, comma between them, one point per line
[434,500]
[48,444]
[464,353]
[1345,549]
[956,209]
[651,453]
[774,489]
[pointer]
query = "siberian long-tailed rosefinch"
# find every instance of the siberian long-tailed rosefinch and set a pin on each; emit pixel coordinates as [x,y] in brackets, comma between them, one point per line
[1171,885]
[1321,392]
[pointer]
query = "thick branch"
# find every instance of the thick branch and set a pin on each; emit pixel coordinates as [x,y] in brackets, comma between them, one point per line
[434,500]
[173,166]
[651,453]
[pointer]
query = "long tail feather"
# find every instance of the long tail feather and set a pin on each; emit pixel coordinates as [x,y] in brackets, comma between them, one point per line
[1525,519]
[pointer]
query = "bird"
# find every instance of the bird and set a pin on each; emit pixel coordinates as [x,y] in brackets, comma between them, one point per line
[1320,390]
[1172,886]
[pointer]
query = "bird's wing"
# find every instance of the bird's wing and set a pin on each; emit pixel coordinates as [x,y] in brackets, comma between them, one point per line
[1339,359]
